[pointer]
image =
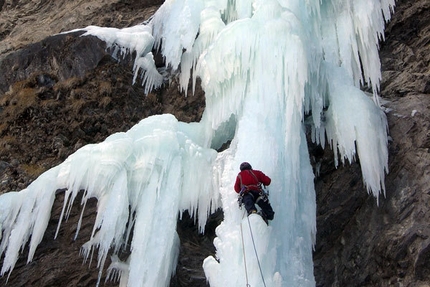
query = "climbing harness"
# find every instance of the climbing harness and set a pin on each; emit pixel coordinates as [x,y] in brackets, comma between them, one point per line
[255,250]
[263,195]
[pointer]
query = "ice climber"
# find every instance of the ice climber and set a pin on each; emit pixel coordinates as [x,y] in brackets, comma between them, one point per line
[249,187]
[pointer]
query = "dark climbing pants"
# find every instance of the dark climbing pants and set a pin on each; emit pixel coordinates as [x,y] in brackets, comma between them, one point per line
[253,197]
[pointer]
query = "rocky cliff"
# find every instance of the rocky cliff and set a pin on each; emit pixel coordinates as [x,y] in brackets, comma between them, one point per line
[360,243]
[59,92]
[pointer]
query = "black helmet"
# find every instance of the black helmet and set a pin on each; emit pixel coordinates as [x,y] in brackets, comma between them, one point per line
[245,165]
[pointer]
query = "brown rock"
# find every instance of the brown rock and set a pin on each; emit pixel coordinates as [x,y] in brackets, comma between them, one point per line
[358,242]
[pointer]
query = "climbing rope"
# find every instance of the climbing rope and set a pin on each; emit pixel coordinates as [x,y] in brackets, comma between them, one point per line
[244,257]
[256,255]
[255,250]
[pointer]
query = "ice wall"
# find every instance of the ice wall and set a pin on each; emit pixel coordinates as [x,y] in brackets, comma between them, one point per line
[264,66]
[143,179]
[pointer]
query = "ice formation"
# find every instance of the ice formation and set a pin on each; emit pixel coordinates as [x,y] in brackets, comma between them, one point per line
[264,66]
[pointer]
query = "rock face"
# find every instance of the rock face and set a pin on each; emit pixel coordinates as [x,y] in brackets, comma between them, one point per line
[60,92]
[360,243]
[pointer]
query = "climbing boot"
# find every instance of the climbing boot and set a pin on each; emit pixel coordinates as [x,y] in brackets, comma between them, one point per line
[261,213]
[253,211]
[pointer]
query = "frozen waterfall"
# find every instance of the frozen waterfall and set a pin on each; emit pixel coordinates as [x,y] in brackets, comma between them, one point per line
[264,65]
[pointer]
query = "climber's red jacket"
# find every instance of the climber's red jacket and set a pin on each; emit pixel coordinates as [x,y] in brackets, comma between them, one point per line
[250,181]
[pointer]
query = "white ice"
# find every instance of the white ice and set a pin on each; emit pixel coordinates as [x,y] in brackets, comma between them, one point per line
[270,71]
